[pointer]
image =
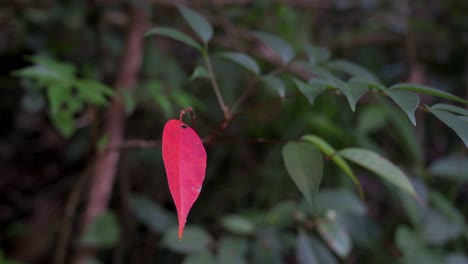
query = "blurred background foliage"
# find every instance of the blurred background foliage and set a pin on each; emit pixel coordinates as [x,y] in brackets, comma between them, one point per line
[250,211]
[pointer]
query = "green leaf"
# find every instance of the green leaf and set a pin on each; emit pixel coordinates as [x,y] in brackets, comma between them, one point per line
[438,229]
[93,92]
[232,250]
[456,124]
[103,232]
[277,44]
[304,252]
[64,122]
[419,88]
[194,239]
[238,224]
[316,54]
[352,69]
[198,23]
[379,166]
[335,235]
[304,164]
[58,96]
[451,168]
[340,201]
[456,258]
[276,84]
[243,60]
[451,108]
[413,249]
[407,101]
[151,214]
[199,72]
[311,90]
[372,119]
[200,257]
[64,69]
[449,211]
[329,151]
[174,34]
[353,92]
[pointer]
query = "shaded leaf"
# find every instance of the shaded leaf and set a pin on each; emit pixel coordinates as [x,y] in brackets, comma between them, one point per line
[198,23]
[304,252]
[419,88]
[329,151]
[158,219]
[195,239]
[64,122]
[316,54]
[238,224]
[339,200]
[352,69]
[451,168]
[185,161]
[335,236]
[352,90]
[456,258]
[243,60]
[311,90]
[449,211]
[199,72]
[103,232]
[232,250]
[277,44]
[304,164]
[174,34]
[200,257]
[413,249]
[407,101]
[275,83]
[456,124]
[379,166]
[438,229]
[451,108]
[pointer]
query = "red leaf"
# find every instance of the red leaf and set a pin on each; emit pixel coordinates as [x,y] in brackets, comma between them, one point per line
[185,161]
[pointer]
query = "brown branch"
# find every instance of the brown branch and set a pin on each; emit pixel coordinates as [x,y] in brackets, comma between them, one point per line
[106,163]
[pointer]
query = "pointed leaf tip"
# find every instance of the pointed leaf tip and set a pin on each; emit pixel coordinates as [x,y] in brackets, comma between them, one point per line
[185,162]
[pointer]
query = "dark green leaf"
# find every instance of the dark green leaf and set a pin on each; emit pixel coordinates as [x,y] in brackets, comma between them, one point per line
[438,229]
[304,252]
[232,250]
[379,166]
[199,72]
[419,88]
[451,108]
[449,211]
[200,257]
[276,84]
[340,201]
[103,232]
[243,60]
[194,239]
[64,122]
[456,124]
[277,44]
[311,90]
[329,151]
[198,23]
[407,101]
[238,224]
[316,54]
[413,249]
[335,235]
[304,164]
[451,168]
[175,34]
[352,69]
[158,219]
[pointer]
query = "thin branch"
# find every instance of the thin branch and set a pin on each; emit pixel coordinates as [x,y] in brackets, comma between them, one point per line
[215,85]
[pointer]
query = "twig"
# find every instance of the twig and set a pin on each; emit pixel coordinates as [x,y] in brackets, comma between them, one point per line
[215,85]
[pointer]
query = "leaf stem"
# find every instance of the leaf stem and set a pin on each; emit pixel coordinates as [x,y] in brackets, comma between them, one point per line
[215,85]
